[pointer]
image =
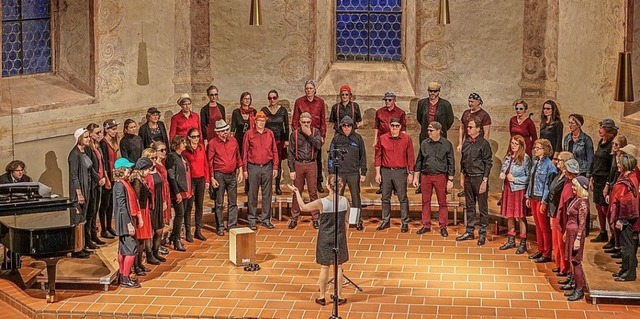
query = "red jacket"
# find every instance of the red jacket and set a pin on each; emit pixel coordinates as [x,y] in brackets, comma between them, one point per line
[623,202]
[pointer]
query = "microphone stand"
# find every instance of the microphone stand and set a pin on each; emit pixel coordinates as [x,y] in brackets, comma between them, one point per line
[335,154]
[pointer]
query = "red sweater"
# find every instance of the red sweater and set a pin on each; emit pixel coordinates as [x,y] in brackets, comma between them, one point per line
[198,161]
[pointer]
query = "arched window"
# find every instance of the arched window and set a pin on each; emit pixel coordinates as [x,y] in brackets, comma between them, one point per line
[26,37]
[369,30]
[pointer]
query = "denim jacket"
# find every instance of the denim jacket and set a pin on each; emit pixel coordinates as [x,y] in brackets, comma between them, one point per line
[539,189]
[582,151]
[519,171]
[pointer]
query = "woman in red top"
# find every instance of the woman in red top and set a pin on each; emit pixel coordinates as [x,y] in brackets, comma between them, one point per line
[196,154]
[575,232]
[522,125]
[110,147]
[161,155]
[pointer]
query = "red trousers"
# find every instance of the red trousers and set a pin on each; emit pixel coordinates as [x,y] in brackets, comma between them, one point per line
[543,228]
[558,248]
[427,184]
[306,173]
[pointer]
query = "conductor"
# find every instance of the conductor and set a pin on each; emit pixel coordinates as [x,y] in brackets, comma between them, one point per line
[325,243]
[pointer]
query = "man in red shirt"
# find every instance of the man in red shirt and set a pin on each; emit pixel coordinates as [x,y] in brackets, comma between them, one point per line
[260,161]
[225,166]
[315,106]
[383,117]
[394,169]
[185,120]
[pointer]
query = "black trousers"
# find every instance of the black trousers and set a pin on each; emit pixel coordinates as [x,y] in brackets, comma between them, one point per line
[629,245]
[94,207]
[259,177]
[90,212]
[394,179]
[197,200]
[471,197]
[353,182]
[179,209]
[229,184]
[105,210]
[319,163]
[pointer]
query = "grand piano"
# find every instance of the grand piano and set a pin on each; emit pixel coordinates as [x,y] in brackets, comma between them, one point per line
[37,226]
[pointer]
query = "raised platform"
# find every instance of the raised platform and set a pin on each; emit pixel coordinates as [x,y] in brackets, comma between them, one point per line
[599,267]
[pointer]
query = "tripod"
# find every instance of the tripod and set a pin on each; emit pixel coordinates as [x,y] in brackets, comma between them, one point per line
[348,281]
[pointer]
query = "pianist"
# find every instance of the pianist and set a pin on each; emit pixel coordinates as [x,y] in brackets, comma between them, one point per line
[15,173]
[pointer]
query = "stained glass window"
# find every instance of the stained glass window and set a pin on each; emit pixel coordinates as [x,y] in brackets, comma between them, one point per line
[26,37]
[369,30]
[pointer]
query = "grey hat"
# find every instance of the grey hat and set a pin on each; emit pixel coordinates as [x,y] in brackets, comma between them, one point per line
[143,163]
[346,120]
[572,166]
[609,124]
[221,125]
[389,94]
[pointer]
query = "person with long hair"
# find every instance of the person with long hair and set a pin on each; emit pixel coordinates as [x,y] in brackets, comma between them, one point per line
[127,219]
[560,193]
[278,123]
[210,113]
[131,144]
[537,196]
[159,236]
[100,166]
[598,174]
[575,233]
[138,180]
[243,120]
[624,213]
[521,124]
[82,179]
[325,255]
[179,175]
[515,172]
[155,184]
[153,129]
[196,154]
[551,127]
[110,147]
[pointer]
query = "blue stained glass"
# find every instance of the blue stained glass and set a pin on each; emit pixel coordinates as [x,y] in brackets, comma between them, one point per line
[371,28]
[10,10]
[35,9]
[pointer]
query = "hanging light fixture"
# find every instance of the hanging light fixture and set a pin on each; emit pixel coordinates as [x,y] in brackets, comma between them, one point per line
[624,78]
[255,17]
[443,15]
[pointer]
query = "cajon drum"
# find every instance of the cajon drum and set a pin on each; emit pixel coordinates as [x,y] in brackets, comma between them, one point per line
[242,246]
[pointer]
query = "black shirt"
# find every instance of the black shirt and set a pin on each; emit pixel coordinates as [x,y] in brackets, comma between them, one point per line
[278,123]
[354,158]
[602,159]
[476,157]
[435,157]
[339,111]
[553,133]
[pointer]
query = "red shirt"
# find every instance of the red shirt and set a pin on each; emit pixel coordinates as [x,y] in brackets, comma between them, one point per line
[259,148]
[317,111]
[224,156]
[198,161]
[180,124]
[214,115]
[384,116]
[432,111]
[100,162]
[394,152]
[527,130]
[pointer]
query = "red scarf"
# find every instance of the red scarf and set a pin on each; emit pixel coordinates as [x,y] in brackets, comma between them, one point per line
[134,207]
[252,115]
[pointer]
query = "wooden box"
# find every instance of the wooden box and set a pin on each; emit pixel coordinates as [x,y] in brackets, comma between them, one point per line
[242,246]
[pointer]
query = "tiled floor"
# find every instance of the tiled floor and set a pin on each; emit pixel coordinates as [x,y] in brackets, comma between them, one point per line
[402,275]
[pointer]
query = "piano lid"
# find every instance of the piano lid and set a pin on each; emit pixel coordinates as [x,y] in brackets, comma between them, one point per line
[46,220]
[34,206]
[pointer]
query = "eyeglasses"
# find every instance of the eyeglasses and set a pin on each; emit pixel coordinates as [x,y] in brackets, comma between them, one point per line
[615,144]
[272,98]
[305,122]
[162,150]
[395,125]
[388,100]
[434,91]
[19,170]
[213,94]
[194,136]
[557,159]
[547,108]
[519,108]
[345,94]
[347,125]
[537,148]
[471,126]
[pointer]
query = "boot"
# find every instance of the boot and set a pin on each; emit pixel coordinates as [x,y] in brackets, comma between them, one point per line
[177,245]
[156,254]
[105,234]
[277,181]
[198,235]
[577,295]
[511,243]
[601,238]
[151,259]
[523,246]
[96,239]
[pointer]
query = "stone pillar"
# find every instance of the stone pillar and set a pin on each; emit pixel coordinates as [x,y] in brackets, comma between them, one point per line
[192,67]
[540,51]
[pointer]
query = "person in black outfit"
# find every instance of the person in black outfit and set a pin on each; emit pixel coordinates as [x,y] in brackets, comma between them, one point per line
[209,114]
[598,175]
[551,126]
[15,173]
[109,146]
[82,178]
[179,174]
[131,144]
[278,122]
[475,167]
[346,107]
[100,166]
[154,129]
[353,166]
